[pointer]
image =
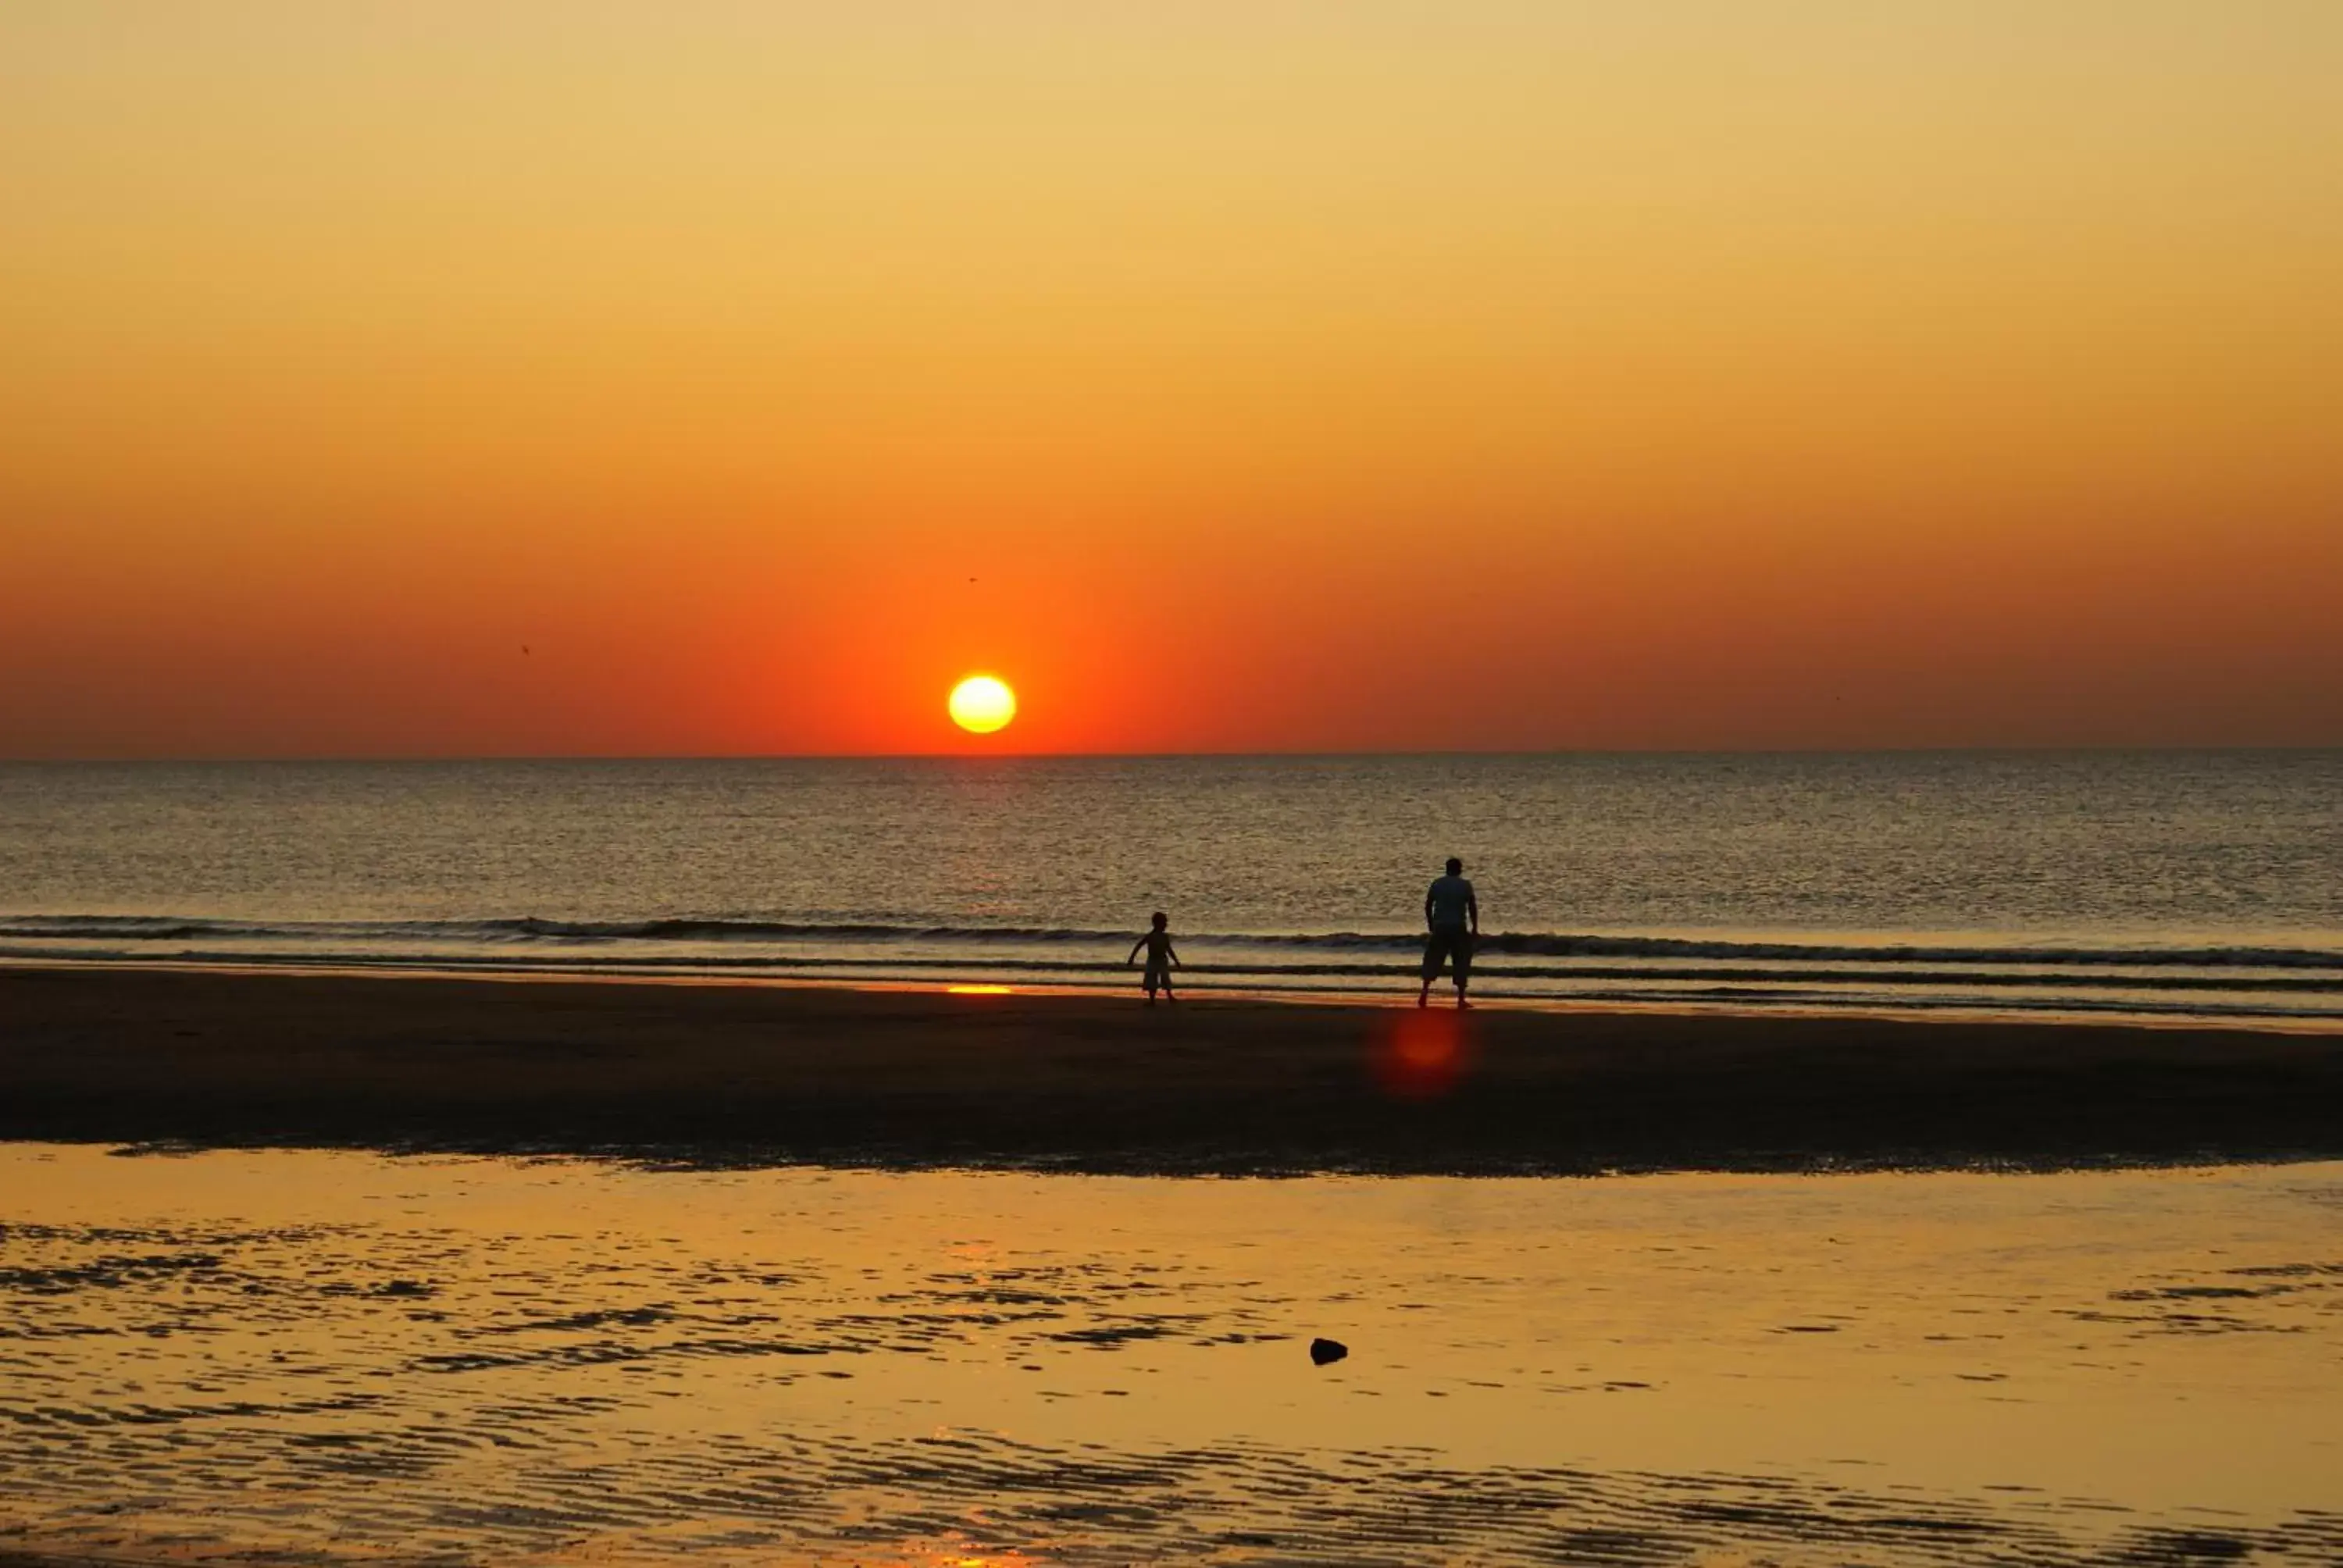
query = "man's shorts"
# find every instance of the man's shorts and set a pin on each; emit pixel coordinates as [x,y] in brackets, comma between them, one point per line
[1442,947]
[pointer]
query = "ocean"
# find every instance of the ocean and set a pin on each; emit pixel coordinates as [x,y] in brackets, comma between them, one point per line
[2164,885]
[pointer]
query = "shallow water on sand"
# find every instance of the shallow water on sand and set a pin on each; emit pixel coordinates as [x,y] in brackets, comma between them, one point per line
[335,1356]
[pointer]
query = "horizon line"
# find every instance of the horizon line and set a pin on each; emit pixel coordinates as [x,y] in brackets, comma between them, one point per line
[323,759]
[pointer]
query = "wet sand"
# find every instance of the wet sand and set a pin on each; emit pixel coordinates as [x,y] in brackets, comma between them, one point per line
[727,1074]
[337,1359]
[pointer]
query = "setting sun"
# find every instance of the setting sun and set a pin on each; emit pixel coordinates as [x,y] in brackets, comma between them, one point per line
[982,704]
[1667,624]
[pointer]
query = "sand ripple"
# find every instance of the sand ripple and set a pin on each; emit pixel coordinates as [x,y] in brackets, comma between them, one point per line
[779,1368]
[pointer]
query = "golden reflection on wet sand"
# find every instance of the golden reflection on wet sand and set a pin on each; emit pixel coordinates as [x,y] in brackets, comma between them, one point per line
[344,1356]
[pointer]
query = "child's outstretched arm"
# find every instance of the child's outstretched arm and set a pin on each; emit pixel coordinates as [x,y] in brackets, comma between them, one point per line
[1134,952]
[1173,954]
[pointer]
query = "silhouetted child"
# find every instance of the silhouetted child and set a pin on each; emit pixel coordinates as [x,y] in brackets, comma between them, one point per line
[1160,958]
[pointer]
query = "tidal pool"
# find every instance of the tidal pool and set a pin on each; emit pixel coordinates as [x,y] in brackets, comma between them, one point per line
[344,1357]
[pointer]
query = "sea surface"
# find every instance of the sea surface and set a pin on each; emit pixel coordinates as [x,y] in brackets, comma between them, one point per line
[2169,885]
[319,1358]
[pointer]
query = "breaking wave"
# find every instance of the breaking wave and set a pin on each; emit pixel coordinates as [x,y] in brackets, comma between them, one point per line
[1300,951]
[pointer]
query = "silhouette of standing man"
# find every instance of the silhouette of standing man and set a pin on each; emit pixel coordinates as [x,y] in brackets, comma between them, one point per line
[1452,916]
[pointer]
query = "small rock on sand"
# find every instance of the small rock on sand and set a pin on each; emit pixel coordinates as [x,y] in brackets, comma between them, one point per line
[1324,1351]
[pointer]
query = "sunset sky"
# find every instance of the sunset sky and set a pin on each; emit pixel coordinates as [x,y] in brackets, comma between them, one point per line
[1227,376]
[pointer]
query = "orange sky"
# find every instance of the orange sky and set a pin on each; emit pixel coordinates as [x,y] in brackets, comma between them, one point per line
[1246,377]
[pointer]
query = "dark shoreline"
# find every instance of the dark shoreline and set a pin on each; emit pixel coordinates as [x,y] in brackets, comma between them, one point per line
[715,1075]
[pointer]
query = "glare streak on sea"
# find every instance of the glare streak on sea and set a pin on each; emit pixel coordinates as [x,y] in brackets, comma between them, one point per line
[2164,885]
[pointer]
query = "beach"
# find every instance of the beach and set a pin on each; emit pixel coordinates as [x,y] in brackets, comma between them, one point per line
[339,1357]
[618,623]
[748,1074]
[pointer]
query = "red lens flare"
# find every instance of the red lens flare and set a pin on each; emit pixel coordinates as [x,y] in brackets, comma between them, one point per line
[1424,1054]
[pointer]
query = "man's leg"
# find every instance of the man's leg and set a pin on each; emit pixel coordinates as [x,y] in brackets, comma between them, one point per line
[1438,949]
[1464,959]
